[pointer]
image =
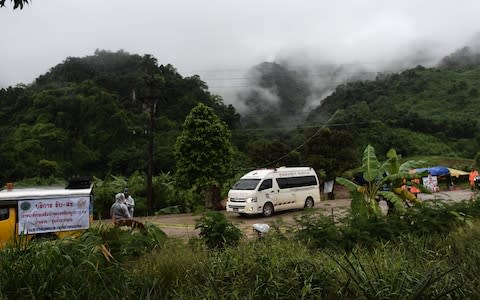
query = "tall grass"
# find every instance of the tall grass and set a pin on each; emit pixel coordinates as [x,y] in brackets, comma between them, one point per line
[110,263]
[86,267]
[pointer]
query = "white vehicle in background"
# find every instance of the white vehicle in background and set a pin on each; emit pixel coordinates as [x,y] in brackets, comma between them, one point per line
[268,190]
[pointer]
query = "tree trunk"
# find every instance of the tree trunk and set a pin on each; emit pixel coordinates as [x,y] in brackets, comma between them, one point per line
[212,198]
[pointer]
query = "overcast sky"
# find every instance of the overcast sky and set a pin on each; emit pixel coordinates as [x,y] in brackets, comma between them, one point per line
[221,38]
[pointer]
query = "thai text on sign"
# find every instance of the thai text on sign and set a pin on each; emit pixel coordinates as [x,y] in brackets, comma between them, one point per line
[49,215]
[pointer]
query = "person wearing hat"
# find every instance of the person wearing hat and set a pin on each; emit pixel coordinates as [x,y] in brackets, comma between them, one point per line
[119,210]
[129,202]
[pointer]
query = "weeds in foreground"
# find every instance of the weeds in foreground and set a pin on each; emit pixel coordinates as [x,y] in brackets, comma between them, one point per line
[112,263]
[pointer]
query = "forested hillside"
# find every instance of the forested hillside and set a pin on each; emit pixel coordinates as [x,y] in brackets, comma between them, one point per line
[421,111]
[91,116]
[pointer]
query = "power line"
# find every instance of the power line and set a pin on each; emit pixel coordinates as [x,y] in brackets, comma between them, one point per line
[307,127]
[289,75]
[298,68]
[301,145]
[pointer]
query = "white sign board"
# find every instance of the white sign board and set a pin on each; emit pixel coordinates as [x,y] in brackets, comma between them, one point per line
[49,215]
[431,183]
[328,186]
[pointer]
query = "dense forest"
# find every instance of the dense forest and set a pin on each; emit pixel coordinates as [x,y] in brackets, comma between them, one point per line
[91,116]
[420,111]
[94,115]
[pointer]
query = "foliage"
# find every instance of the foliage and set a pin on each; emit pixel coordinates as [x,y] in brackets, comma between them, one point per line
[48,168]
[330,150]
[40,181]
[87,115]
[165,193]
[266,153]
[86,267]
[317,231]
[377,176]
[111,263]
[203,153]
[217,231]
[477,160]
[438,104]
[16,3]
[434,218]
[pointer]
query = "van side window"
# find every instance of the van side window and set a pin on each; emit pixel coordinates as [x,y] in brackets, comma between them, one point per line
[293,182]
[266,184]
[4,213]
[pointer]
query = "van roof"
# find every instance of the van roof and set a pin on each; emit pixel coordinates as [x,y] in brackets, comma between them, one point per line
[261,173]
[41,193]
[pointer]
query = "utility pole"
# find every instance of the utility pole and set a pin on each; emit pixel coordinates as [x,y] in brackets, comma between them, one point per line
[151,134]
[151,105]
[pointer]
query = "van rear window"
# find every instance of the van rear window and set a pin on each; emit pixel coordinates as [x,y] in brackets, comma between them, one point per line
[246,184]
[4,213]
[293,182]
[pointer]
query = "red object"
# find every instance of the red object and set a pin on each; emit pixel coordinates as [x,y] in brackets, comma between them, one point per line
[471,177]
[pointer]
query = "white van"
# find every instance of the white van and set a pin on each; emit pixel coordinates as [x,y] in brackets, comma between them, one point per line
[268,190]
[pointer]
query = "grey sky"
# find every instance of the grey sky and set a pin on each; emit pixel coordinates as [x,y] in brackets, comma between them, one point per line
[222,38]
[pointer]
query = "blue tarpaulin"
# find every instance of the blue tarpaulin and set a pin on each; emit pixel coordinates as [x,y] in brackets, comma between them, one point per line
[434,171]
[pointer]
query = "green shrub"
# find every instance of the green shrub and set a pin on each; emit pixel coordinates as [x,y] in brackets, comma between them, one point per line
[165,272]
[318,231]
[95,267]
[217,231]
[90,266]
[432,218]
[262,269]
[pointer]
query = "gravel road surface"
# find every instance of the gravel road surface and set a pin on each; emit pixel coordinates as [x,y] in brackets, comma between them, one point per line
[183,225]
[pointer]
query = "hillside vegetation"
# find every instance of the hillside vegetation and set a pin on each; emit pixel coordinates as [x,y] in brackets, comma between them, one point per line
[418,112]
[91,116]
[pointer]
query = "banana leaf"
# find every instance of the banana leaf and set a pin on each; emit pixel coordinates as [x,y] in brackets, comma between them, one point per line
[370,164]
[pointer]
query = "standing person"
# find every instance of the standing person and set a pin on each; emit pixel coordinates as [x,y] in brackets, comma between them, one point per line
[119,210]
[471,177]
[129,202]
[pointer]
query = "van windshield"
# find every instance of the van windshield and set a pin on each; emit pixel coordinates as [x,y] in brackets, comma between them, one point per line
[246,184]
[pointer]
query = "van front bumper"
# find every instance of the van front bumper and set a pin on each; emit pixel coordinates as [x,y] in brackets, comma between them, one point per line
[244,208]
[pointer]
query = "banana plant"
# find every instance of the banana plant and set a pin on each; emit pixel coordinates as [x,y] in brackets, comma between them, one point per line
[382,180]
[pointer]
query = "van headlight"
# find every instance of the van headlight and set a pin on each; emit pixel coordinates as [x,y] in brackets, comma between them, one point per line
[251,199]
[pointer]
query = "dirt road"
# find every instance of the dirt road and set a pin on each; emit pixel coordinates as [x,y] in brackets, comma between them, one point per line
[183,225]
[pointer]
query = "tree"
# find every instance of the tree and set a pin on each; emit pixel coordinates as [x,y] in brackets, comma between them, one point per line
[203,153]
[16,3]
[381,179]
[267,153]
[330,150]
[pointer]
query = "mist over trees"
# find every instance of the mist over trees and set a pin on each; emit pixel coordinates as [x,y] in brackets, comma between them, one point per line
[90,115]
[278,95]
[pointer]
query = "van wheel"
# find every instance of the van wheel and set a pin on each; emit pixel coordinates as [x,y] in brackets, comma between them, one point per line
[309,202]
[267,209]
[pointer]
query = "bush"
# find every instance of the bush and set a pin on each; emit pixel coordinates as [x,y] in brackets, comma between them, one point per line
[92,266]
[216,231]
[318,231]
[432,218]
[102,264]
